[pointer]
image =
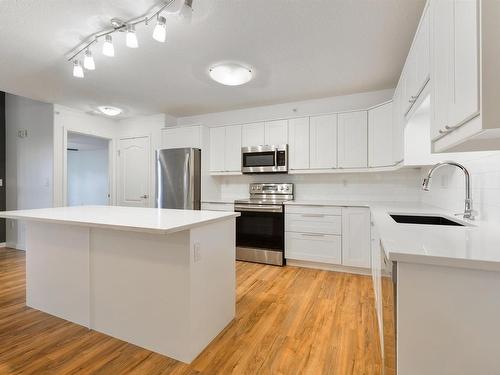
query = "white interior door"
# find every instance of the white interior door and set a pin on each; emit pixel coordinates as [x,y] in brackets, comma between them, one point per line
[133,188]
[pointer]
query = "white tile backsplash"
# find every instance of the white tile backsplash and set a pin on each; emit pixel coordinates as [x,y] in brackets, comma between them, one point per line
[402,185]
[447,189]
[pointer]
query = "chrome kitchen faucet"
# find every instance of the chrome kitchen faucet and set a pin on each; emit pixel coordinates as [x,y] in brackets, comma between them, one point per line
[469,213]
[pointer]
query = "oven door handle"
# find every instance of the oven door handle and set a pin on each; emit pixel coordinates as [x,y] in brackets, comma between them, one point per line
[257,208]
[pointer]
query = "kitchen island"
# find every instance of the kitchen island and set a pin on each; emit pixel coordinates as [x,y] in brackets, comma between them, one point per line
[158,278]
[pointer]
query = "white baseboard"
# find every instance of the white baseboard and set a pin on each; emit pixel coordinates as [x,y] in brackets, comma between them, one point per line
[328,267]
[15,245]
[3,244]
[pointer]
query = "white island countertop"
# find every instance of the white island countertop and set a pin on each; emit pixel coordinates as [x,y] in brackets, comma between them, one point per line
[138,219]
[476,246]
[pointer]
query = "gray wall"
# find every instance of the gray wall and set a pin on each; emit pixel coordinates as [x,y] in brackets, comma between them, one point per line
[2,164]
[29,167]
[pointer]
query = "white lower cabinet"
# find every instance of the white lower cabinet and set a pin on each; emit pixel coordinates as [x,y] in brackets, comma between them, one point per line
[328,234]
[356,237]
[314,247]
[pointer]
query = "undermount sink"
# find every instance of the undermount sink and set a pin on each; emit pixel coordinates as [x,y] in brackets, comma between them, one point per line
[425,220]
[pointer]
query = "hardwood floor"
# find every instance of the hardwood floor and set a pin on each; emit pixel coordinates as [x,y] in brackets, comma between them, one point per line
[288,321]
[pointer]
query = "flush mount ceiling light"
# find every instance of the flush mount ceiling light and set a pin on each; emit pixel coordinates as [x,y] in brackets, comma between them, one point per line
[231,74]
[109,110]
[181,8]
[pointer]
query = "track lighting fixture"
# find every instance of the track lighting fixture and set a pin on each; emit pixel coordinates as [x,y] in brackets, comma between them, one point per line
[88,61]
[160,31]
[181,8]
[77,69]
[107,47]
[131,38]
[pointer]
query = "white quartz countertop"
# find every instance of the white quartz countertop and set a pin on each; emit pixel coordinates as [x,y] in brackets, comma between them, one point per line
[139,219]
[476,246]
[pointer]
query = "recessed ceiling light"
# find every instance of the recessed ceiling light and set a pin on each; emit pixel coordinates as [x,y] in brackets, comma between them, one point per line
[231,74]
[110,111]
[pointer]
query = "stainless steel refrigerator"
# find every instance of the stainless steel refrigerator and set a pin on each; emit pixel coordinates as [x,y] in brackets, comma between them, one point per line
[178,178]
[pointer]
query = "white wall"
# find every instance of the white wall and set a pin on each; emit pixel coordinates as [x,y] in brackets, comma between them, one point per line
[88,182]
[70,120]
[291,110]
[447,188]
[29,169]
[402,185]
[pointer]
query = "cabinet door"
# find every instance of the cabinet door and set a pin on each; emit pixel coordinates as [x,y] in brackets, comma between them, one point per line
[217,149]
[298,132]
[353,140]
[232,156]
[181,137]
[356,237]
[252,134]
[323,143]
[441,63]
[422,53]
[465,67]
[398,126]
[380,136]
[276,132]
[313,247]
[410,81]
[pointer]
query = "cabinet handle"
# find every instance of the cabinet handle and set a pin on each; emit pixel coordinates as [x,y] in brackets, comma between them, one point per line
[145,196]
[313,235]
[441,131]
[313,215]
[448,127]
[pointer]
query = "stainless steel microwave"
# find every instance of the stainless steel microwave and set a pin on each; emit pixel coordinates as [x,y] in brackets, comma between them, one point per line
[264,159]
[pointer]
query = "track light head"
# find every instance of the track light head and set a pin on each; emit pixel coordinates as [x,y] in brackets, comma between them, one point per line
[131,38]
[107,47]
[77,69]
[160,31]
[88,61]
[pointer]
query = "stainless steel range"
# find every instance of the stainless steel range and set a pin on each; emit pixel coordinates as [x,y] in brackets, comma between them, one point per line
[260,230]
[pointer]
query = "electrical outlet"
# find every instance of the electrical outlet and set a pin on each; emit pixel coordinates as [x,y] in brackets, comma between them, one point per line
[196,252]
[23,133]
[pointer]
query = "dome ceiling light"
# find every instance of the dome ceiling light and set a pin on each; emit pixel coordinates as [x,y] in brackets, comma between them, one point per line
[231,74]
[109,110]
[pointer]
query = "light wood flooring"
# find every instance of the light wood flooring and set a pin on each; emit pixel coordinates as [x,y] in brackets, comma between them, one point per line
[288,321]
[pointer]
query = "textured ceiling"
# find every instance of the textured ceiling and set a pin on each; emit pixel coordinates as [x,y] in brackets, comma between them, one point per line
[299,50]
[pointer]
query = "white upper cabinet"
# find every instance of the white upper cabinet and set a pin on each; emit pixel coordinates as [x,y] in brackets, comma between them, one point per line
[464,75]
[232,156]
[398,127]
[353,140]
[298,134]
[455,67]
[189,136]
[380,136]
[356,241]
[276,132]
[416,71]
[323,142]
[253,134]
[225,149]
[217,149]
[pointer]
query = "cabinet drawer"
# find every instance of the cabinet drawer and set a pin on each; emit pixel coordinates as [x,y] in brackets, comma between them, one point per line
[324,248]
[313,223]
[325,210]
[217,207]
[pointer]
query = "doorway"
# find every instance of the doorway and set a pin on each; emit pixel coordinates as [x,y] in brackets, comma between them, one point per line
[88,175]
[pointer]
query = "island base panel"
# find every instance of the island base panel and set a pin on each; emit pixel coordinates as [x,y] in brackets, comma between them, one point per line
[171,294]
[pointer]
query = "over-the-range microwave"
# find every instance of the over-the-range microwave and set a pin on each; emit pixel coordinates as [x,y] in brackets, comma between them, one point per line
[264,159]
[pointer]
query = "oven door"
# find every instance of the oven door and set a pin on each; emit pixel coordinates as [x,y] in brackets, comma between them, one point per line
[260,233]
